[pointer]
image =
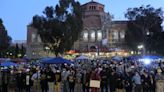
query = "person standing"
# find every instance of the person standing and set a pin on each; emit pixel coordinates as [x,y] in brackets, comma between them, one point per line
[57,81]
[119,83]
[95,76]
[159,81]
[28,80]
[104,80]
[36,80]
[85,80]
[12,81]
[51,80]
[64,76]
[128,82]
[44,82]
[5,80]
[112,81]
[145,82]
[152,82]
[137,82]
[19,80]
[71,81]
[78,81]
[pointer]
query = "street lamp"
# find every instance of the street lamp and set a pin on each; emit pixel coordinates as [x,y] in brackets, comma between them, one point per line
[140,47]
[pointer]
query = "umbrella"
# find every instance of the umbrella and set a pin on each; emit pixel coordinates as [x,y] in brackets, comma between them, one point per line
[8,63]
[56,60]
[82,57]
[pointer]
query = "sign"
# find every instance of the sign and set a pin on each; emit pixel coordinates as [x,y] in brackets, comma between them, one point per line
[94,83]
[105,42]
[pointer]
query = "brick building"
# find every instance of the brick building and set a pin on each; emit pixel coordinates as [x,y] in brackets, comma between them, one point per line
[99,32]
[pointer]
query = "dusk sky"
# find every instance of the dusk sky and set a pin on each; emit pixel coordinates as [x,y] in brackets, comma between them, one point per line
[17,14]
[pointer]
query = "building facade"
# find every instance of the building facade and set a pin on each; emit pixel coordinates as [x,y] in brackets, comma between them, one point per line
[99,33]
[99,30]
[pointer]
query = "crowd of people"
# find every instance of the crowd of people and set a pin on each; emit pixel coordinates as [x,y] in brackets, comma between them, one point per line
[122,76]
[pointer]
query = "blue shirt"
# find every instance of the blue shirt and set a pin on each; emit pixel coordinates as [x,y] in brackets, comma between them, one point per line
[137,79]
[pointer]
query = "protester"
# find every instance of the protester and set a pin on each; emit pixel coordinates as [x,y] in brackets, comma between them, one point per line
[112,81]
[159,81]
[128,82]
[137,82]
[146,81]
[64,76]
[71,81]
[19,81]
[104,80]
[152,82]
[95,76]
[36,80]
[12,81]
[44,81]
[57,80]
[78,81]
[28,80]
[5,80]
[51,80]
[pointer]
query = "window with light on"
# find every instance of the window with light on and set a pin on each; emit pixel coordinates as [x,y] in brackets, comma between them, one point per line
[85,36]
[92,36]
[99,35]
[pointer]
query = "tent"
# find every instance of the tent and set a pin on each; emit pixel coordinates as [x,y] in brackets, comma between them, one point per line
[82,57]
[8,63]
[133,57]
[56,60]
[117,58]
[150,57]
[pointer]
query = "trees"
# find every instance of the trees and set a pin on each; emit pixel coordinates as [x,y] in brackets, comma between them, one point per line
[144,27]
[61,26]
[4,38]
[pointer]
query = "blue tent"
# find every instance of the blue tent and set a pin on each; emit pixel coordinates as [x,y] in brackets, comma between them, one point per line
[56,60]
[8,63]
[117,58]
[133,57]
[151,56]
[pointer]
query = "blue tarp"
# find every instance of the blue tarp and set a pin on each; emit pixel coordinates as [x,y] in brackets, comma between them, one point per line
[8,63]
[56,60]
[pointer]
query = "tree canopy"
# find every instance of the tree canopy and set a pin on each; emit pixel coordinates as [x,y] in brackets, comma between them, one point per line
[144,27]
[5,39]
[60,26]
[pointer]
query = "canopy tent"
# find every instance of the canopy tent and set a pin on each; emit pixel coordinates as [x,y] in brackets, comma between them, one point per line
[133,57]
[117,58]
[82,57]
[150,57]
[56,60]
[8,63]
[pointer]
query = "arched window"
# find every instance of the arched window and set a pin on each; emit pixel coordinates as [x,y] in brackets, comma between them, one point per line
[115,35]
[85,36]
[92,35]
[99,35]
[122,35]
